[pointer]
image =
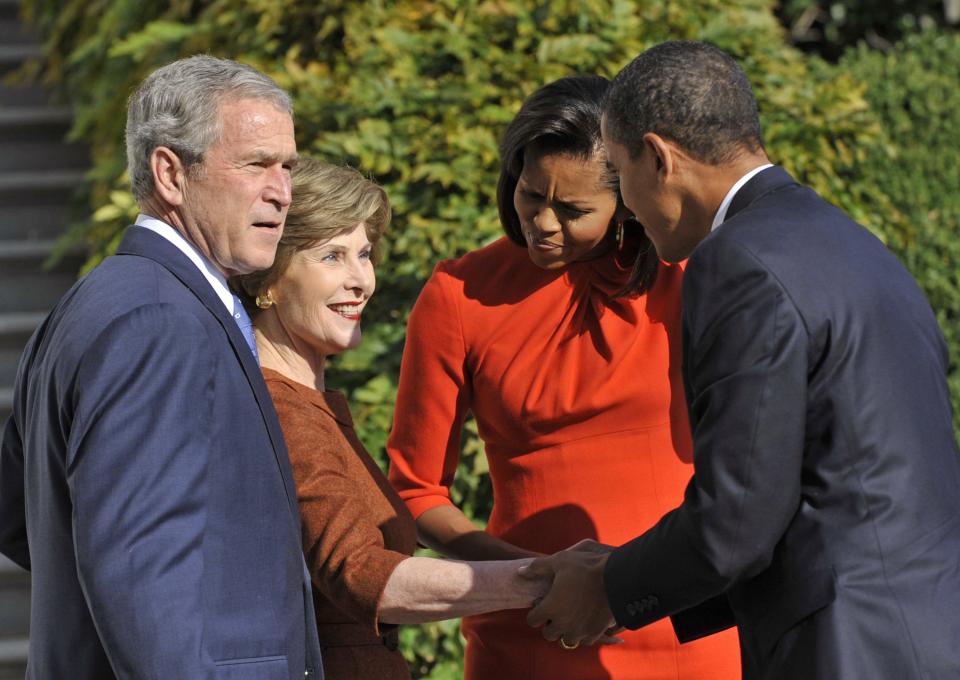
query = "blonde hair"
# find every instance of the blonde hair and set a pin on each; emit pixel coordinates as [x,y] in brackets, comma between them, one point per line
[328,200]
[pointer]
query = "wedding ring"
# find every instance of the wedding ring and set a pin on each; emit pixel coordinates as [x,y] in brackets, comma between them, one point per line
[567,645]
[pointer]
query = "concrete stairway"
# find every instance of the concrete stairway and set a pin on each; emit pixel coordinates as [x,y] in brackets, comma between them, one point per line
[14,619]
[39,173]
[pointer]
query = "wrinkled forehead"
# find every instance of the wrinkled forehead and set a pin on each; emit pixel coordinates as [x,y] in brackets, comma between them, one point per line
[258,126]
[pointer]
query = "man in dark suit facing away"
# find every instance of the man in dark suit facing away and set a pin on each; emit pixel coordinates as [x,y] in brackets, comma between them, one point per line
[823,517]
[143,476]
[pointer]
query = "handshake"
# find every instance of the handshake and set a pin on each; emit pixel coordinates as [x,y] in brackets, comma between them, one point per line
[574,610]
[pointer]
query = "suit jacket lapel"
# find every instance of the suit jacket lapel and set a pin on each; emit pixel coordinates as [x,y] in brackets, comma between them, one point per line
[145,243]
[759,185]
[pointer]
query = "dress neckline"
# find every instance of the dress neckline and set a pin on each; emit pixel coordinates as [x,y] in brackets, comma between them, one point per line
[333,402]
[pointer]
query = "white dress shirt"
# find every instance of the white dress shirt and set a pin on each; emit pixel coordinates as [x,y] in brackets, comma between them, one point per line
[210,273]
[728,199]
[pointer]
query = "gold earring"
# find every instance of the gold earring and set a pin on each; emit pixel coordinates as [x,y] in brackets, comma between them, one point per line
[265,301]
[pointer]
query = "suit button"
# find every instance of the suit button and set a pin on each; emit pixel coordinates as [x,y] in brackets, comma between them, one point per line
[632,608]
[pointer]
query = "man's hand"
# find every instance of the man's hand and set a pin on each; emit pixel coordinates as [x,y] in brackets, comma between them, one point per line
[575,610]
[591,546]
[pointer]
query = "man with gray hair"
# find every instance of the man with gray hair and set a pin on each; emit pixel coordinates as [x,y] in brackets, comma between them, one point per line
[143,475]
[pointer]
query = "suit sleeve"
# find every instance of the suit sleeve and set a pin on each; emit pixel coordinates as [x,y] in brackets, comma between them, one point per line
[745,359]
[344,547]
[433,399]
[137,468]
[13,519]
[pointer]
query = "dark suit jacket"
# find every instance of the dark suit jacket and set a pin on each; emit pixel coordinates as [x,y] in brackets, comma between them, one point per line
[825,503]
[145,483]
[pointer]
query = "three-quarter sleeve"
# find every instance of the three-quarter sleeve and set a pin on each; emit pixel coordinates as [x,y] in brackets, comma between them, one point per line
[433,398]
[342,542]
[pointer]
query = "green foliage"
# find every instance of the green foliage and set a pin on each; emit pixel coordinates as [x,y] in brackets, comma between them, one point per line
[913,89]
[829,27]
[417,94]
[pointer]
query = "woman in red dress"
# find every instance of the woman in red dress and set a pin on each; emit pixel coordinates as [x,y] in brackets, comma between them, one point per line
[563,340]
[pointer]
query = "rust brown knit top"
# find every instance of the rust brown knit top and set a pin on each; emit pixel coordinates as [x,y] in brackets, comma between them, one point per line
[356,530]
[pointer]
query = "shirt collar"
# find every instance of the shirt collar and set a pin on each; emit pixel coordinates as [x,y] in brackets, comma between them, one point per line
[210,273]
[728,199]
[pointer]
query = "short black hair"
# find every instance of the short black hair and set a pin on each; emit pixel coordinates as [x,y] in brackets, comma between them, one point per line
[691,93]
[563,117]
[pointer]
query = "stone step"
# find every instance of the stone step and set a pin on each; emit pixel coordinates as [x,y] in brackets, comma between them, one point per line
[36,256]
[20,324]
[13,658]
[26,286]
[15,331]
[25,188]
[10,9]
[34,220]
[34,138]
[32,116]
[12,31]
[15,609]
[42,152]
[33,249]
[11,572]
[6,402]
[31,290]
[12,56]
[15,96]
[30,249]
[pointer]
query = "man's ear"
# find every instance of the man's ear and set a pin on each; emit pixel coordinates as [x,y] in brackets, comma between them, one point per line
[169,175]
[661,153]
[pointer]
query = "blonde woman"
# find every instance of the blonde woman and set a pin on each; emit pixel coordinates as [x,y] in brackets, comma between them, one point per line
[358,536]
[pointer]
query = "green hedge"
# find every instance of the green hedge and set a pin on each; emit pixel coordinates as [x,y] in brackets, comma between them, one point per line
[914,91]
[417,93]
[830,27]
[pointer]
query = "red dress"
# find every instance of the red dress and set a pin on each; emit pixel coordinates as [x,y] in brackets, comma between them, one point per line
[579,401]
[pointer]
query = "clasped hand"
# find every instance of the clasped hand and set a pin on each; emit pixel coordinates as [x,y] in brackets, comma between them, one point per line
[575,609]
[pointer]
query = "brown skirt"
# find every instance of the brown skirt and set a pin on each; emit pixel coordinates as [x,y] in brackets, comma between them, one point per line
[351,652]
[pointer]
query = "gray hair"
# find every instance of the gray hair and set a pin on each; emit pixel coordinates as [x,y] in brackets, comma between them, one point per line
[177,106]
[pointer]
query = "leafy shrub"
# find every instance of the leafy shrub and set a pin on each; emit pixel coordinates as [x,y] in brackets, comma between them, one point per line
[417,93]
[913,90]
[830,27]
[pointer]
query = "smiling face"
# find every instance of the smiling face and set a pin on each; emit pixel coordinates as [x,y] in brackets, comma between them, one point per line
[235,209]
[321,295]
[565,208]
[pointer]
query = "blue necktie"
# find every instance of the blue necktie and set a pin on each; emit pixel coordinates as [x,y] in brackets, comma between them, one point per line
[246,326]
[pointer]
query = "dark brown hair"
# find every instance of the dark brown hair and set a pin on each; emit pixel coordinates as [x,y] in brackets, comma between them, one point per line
[689,92]
[563,117]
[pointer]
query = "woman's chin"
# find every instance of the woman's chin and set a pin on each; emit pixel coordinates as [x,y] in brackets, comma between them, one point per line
[329,347]
[548,260]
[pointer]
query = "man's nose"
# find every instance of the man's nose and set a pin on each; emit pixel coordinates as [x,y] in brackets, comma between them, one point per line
[279,189]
